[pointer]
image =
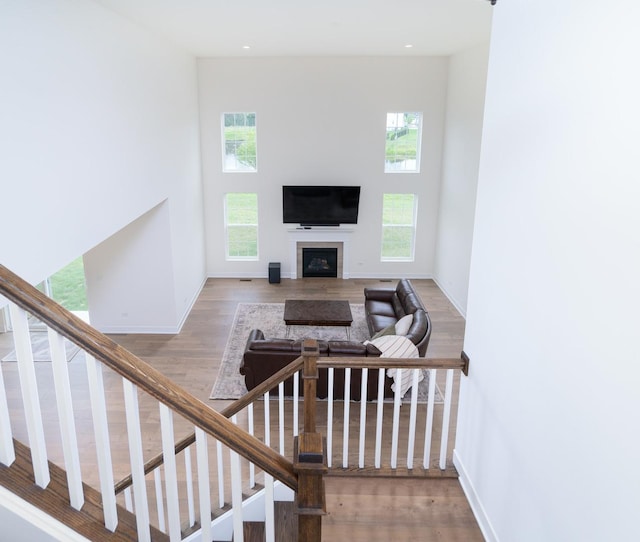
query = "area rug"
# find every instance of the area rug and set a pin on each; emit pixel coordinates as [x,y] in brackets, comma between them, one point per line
[40,348]
[268,317]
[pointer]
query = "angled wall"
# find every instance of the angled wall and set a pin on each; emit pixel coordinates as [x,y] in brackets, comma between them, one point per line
[546,439]
[99,125]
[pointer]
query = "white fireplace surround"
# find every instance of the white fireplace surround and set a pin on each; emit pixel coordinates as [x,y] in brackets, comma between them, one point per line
[318,237]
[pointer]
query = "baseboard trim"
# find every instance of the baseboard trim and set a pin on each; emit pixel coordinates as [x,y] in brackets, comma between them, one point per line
[451,299]
[187,311]
[474,501]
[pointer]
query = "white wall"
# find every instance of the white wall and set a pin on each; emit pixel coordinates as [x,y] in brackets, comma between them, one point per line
[547,436]
[461,159]
[99,125]
[322,121]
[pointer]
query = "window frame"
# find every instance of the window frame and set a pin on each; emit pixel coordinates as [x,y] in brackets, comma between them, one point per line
[231,226]
[223,126]
[412,226]
[418,149]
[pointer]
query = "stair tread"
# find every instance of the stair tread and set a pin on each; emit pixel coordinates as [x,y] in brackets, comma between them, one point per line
[54,500]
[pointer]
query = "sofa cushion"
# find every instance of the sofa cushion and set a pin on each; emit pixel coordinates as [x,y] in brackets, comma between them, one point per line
[378,322]
[398,309]
[402,326]
[380,307]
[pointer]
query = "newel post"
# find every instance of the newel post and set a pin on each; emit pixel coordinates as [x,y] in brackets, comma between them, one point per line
[310,461]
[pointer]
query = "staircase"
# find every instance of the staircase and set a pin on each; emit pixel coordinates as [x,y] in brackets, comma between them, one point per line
[224,481]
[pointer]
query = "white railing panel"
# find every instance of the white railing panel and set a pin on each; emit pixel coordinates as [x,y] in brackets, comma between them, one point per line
[202,460]
[395,428]
[330,417]
[296,399]
[189,482]
[252,467]
[220,459]
[269,511]
[236,497]
[157,478]
[30,397]
[379,418]
[445,419]
[281,416]
[103,447]
[363,416]
[170,472]
[7,451]
[412,417]
[128,499]
[137,460]
[345,431]
[428,432]
[67,421]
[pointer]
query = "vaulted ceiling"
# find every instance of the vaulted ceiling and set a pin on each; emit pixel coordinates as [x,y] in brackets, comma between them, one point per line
[208,28]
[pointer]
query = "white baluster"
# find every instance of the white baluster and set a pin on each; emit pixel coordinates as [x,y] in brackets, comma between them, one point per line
[137,461]
[170,472]
[330,417]
[363,416]
[281,416]
[128,501]
[30,398]
[267,419]
[379,417]
[7,452]
[445,419]
[220,474]
[103,448]
[189,482]
[157,478]
[252,467]
[428,432]
[412,418]
[67,422]
[395,428]
[345,429]
[236,497]
[269,521]
[296,394]
[202,459]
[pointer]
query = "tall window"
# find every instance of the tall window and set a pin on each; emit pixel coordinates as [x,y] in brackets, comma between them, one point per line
[241,226]
[239,142]
[402,148]
[399,213]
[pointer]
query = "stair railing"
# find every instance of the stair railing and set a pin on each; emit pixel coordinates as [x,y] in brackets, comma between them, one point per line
[103,353]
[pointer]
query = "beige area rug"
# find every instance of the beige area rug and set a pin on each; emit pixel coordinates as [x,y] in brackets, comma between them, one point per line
[40,348]
[268,317]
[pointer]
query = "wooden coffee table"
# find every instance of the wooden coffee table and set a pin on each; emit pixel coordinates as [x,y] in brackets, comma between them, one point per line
[304,312]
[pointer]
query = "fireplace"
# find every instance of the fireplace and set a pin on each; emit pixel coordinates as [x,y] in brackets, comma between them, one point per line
[320,262]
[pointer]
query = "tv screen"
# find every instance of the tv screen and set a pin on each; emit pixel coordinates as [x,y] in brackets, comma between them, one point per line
[320,205]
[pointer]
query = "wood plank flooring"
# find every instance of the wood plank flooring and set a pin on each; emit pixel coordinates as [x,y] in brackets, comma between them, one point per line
[359,508]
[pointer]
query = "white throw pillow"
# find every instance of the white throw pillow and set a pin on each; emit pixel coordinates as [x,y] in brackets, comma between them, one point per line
[403,325]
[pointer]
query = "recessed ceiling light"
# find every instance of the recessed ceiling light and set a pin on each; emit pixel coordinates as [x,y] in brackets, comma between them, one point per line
[246,46]
[408,46]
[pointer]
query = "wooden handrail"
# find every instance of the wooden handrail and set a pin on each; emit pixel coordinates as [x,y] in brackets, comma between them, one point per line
[227,412]
[391,363]
[145,377]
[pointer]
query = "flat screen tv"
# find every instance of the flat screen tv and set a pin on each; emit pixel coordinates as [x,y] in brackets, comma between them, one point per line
[320,205]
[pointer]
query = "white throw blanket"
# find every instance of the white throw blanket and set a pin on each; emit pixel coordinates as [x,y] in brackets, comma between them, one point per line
[397,346]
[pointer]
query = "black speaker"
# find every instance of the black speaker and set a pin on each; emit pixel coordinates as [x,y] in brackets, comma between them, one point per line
[274,272]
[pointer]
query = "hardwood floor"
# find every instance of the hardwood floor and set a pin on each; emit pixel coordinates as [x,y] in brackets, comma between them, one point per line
[359,508]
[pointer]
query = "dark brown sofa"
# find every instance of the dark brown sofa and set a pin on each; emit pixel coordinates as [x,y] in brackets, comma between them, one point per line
[264,357]
[385,306]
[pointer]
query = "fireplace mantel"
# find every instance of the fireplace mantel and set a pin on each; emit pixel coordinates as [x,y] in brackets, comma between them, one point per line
[317,235]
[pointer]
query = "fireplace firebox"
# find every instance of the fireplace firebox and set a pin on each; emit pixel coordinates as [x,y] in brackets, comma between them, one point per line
[319,262]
